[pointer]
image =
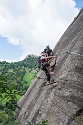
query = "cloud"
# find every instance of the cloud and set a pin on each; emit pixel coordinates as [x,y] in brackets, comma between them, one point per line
[33,24]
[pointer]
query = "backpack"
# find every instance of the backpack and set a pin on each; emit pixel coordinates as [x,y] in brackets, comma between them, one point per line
[48,51]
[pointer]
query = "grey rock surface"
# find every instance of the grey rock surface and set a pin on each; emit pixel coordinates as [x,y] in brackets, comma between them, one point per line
[59,105]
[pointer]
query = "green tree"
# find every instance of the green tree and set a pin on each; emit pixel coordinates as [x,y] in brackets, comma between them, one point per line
[8,101]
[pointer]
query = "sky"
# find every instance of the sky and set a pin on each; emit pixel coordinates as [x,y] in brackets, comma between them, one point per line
[28,26]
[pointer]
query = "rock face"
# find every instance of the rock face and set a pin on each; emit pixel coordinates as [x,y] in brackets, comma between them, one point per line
[64,102]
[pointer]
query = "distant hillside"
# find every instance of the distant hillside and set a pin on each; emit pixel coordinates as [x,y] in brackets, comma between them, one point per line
[21,72]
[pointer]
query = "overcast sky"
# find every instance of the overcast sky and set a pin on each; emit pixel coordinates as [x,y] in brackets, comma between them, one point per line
[27,26]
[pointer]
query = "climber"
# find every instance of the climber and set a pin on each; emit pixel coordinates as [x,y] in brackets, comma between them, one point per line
[45,66]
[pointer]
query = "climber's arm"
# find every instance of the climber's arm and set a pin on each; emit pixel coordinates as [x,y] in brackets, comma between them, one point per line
[49,57]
